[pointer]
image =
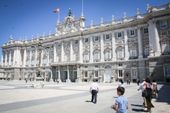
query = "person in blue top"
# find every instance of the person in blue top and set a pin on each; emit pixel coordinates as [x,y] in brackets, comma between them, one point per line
[121,103]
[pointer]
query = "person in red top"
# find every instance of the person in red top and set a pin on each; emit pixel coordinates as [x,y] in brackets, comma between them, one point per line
[148,88]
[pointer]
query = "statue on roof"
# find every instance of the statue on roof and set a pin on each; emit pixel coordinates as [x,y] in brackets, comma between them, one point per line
[69,12]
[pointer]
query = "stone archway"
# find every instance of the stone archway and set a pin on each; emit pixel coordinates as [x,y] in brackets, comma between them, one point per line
[107,74]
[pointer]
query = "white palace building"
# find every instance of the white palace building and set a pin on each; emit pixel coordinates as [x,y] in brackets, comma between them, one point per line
[131,48]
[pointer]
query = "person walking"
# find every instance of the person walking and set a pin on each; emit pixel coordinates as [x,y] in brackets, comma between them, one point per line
[94,89]
[121,103]
[141,87]
[155,89]
[148,94]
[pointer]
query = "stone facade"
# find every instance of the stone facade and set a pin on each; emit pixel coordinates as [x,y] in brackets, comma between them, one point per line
[129,49]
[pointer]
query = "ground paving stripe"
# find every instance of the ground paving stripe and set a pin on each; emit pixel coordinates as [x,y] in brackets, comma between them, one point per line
[24,104]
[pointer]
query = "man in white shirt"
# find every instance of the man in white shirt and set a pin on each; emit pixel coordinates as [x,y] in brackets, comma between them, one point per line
[94,89]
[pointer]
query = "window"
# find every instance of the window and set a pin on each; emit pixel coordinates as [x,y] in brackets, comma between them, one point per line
[120,64]
[86,74]
[145,30]
[146,52]
[132,32]
[96,38]
[86,40]
[133,53]
[163,33]
[96,66]
[134,73]
[96,74]
[120,73]
[163,24]
[107,36]
[76,41]
[169,32]
[119,34]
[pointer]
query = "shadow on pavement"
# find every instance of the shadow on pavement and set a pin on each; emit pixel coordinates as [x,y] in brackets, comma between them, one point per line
[138,105]
[138,110]
[164,94]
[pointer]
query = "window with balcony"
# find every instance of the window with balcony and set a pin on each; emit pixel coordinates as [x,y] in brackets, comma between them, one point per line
[96,74]
[120,53]
[86,57]
[107,55]
[96,56]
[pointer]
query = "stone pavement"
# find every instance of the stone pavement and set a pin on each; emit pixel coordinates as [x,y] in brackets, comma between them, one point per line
[19,97]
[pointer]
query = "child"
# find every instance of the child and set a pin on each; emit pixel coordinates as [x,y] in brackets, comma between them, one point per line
[121,103]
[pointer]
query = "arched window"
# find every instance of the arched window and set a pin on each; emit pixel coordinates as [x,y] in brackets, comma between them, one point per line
[107,54]
[96,56]
[120,53]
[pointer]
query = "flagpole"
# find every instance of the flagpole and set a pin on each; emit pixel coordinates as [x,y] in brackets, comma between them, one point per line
[82,14]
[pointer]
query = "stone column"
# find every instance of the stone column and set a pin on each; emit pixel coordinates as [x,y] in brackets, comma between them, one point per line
[62,51]
[18,57]
[36,55]
[25,56]
[9,63]
[80,50]
[102,48]
[59,75]
[5,58]
[154,38]
[14,58]
[30,57]
[140,43]
[42,53]
[126,45]
[48,56]
[55,53]
[68,74]
[113,47]
[2,60]
[91,49]
[71,51]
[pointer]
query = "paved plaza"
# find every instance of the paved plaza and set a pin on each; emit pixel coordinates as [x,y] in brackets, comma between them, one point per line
[21,97]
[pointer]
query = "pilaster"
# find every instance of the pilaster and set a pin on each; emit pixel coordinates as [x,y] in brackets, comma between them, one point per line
[139,43]
[126,45]
[55,53]
[91,49]
[102,48]
[113,47]
[71,51]
[80,50]
[154,38]
[62,51]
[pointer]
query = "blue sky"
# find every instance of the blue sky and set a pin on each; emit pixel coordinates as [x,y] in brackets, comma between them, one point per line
[26,18]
